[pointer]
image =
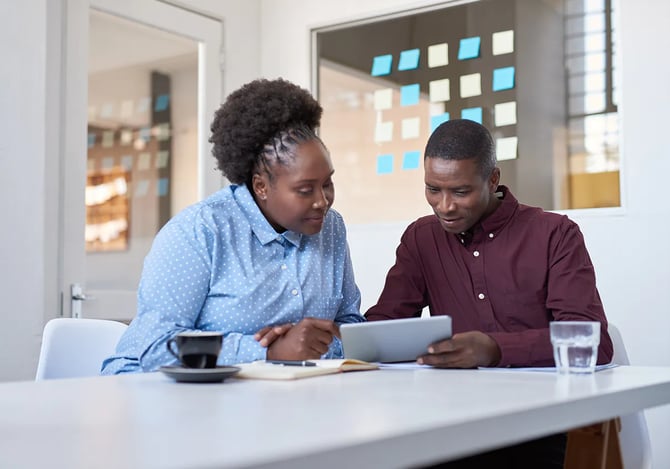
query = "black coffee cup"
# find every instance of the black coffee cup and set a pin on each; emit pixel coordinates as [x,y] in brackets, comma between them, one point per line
[197,349]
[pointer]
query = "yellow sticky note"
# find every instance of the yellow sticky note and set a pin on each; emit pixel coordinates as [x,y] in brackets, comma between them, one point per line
[384,132]
[506,148]
[410,128]
[438,55]
[471,85]
[383,99]
[439,90]
[503,42]
[505,113]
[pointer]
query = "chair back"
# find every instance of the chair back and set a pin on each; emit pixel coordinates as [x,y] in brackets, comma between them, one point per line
[634,436]
[73,348]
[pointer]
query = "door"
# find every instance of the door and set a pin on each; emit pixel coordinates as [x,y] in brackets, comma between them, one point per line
[142,82]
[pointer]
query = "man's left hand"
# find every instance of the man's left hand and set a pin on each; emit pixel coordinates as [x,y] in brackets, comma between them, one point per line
[465,350]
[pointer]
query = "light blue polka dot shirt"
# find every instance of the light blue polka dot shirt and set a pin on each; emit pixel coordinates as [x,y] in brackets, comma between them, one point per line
[220,266]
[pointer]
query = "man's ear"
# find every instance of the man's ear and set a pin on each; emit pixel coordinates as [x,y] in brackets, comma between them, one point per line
[259,184]
[494,180]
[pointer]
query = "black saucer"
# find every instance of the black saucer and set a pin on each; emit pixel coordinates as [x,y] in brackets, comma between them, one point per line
[199,375]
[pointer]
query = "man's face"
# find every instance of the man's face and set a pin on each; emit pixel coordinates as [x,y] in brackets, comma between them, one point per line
[458,193]
[300,193]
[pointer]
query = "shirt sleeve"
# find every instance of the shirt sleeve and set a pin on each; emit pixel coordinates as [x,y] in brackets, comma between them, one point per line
[404,293]
[571,296]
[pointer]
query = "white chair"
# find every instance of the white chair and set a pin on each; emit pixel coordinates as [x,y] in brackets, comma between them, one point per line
[634,436]
[73,348]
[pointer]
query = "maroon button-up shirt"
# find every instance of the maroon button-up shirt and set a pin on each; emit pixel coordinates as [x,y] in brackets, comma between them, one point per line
[520,268]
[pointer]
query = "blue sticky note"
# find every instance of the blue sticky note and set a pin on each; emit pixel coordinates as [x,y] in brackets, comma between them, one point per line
[91,140]
[409,95]
[409,59]
[410,160]
[503,78]
[162,102]
[469,48]
[145,133]
[435,121]
[472,113]
[162,187]
[384,164]
[381,65]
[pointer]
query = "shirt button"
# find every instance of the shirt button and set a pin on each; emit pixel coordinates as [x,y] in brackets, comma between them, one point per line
[294,292]
[476,253]
[283,267]
[491,235]
[481,296]
[279,238]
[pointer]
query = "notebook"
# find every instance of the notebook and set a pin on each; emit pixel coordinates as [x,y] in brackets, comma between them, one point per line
[266,370]
[393,340]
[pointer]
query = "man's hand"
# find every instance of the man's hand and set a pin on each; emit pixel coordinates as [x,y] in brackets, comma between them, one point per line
[306,340]
[269,334]
[465,350]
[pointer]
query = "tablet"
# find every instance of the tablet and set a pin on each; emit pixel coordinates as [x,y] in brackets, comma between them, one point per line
[393,340]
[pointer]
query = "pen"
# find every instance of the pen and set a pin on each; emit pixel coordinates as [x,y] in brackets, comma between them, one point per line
[292,362]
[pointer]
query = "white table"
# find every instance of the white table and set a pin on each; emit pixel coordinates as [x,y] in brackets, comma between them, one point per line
[386,419]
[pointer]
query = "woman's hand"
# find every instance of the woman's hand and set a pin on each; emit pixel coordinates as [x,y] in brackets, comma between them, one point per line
[308,339]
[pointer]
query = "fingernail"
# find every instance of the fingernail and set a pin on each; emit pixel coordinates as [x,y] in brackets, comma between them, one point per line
[264,342]
[419,361]
[431,350]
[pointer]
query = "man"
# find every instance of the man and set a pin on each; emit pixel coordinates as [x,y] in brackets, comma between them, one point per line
[500,269]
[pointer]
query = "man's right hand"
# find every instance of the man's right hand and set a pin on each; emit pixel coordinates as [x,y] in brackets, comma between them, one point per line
[308,339]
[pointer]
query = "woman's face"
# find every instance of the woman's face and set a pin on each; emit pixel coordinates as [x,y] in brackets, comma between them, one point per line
[300,192]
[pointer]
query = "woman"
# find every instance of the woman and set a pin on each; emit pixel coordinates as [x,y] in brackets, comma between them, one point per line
[264,260]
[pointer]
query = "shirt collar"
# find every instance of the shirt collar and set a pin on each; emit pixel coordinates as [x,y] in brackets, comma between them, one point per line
[260,226]
[491,225]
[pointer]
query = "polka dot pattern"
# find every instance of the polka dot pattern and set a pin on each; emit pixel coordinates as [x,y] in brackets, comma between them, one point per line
[220,266]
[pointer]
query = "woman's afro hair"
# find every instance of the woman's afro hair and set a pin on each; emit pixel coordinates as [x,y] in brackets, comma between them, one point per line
[252,116]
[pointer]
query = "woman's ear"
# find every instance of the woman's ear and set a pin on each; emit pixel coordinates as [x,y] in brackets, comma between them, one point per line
[259,185]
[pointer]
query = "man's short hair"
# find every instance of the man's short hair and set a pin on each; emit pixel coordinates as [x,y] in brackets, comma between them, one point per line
[463,139]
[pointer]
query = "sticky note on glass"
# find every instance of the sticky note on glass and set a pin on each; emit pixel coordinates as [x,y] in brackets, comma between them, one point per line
[410,128]
[144,161]
[383,99]
[127,108]
[384,164]
[503,42]
[162,188]
[126,137]
[409,60]
[162,102]
[471,85]
[473,114]
[410,159]
[162,158]
[381,65]
[127,162]
[106,110]
[90,164]
[469,48]
[91,140]
[503,78]
[435,121]
[141,188]
[108,139]
[108,162]
[438,90]
[438,55]
[506,148]
[505,113]
[162,132]
[384,131]
[145,134]
[143,104]
[409,95]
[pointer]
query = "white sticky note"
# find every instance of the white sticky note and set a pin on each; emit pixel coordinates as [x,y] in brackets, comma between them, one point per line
[161,131]
[127,108]
[471,85]
[383,99]
[108,162]
[506,148]
[143,104]
[438,55]
[384,132]
[107,110]
[503,42]
[144,161]
[126,137]
[108,139]
[505,113]
[141,188]
[410,128]
[162,158]
[439,90]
